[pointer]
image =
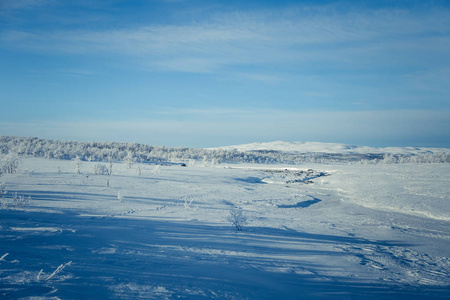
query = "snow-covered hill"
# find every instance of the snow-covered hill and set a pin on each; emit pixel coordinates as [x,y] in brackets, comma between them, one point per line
[274,152]
[315,147]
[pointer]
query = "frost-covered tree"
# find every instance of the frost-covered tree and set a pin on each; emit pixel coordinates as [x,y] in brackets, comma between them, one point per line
[120,196]
[3,190]
[139,166]
[129,159]
[237,218]
[9,163]
[100,169]
[77,164]
[110,165]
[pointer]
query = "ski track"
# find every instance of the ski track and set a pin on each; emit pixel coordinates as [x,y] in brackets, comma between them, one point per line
[334,237]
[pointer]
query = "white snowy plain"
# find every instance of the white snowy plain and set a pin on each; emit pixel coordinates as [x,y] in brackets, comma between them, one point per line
[360,232]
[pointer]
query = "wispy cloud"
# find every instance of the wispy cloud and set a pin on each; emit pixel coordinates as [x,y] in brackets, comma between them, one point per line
[307,59]
[22,4]
[63,72]
[203,111]
[280,38]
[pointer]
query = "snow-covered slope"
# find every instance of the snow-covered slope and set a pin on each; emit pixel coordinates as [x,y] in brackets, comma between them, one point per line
[164,231]
[308,147]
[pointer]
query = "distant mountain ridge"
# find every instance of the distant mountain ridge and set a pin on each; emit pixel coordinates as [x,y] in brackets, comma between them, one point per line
[335,148]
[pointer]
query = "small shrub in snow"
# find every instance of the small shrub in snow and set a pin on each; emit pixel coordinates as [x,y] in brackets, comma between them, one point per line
[27,172]
[237,218]
[187,201]
[110,165]
[139,168]
[3,190]
[119,196]
[157,169]
[15,201]
[139,165]
[129,159]
[100,170]
[20,201]
[77,164]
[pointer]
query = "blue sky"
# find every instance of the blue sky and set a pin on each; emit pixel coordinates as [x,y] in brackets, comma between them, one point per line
[212,73]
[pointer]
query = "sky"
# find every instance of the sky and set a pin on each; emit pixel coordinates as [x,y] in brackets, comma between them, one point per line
[213,73]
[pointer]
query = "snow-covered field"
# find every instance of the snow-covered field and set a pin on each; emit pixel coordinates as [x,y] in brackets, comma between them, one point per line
[312,232]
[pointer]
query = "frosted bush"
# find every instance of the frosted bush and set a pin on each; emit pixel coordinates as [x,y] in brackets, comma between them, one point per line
[119,196]
[3,190]
[3,203]
[9,164]
[237,218]
[110,168]
[20,201]
[129,159]
[15,201]
[139,167]
[77,164]
[101,170]
[187,201]
[28,172]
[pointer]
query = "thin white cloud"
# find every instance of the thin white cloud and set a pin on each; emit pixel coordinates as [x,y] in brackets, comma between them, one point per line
[22,4]
[63,72]
[203,111]
[279,38]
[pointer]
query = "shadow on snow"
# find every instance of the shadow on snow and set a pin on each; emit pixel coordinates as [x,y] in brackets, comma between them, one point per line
[302,204]
[127,259]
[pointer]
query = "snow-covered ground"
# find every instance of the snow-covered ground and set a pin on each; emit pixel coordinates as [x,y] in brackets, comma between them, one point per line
[315,147]
[312,232]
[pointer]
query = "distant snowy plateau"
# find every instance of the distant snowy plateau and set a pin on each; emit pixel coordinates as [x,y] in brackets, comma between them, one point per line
[335,148]
[68,230]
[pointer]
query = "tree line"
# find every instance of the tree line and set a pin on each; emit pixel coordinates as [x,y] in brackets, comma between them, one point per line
[117,151]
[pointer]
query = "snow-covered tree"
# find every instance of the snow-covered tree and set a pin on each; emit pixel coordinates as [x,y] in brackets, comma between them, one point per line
[9,163]
[110,165]
[129,159]
[237,218]
[77,164]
